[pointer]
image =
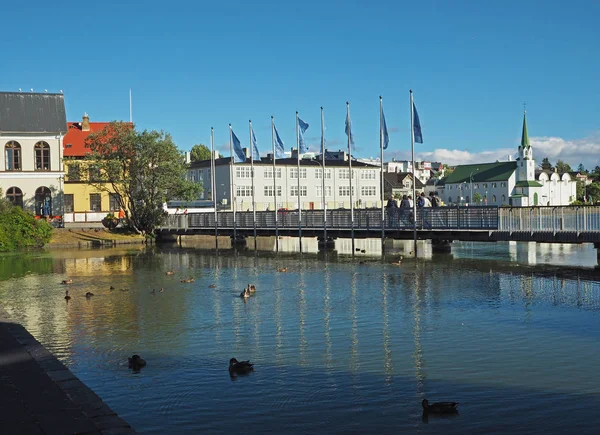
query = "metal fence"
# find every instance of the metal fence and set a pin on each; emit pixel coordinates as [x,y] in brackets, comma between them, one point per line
[556,219]
[443,218]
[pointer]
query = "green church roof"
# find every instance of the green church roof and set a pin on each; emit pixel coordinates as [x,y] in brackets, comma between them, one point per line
[525,183]
[484,172]
[524,135]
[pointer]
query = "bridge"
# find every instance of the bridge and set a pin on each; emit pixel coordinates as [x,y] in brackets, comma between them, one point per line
[564,224]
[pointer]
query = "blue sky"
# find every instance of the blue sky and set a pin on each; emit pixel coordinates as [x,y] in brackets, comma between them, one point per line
[193,65]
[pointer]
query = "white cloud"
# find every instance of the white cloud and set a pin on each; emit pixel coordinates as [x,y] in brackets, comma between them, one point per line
[573,152]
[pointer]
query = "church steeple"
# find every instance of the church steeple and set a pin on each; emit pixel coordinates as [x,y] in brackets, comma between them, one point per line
[524,135]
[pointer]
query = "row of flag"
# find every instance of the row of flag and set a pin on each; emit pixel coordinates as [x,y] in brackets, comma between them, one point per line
[239,155]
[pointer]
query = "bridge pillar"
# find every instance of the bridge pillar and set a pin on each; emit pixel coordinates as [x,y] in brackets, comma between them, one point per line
[441,246]
[326,245]
[597,246]
[165,237]
[238,241]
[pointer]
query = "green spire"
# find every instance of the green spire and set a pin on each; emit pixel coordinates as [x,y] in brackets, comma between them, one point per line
[524,135]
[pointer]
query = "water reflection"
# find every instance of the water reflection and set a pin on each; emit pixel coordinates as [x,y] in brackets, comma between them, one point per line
[339,346]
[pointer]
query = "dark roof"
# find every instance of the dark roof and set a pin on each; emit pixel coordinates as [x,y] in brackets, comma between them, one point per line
[396,179]
[265,161]
[499,171]
[25,112]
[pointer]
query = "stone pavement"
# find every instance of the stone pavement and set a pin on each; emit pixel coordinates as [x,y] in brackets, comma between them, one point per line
[39,395]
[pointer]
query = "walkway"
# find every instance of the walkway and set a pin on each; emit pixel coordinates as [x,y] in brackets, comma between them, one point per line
[39,395]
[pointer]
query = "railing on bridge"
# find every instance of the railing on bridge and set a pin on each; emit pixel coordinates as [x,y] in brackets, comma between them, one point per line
[550,219]
[443,218]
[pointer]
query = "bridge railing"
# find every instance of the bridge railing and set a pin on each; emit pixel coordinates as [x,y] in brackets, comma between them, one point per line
[442,218]
[552,219]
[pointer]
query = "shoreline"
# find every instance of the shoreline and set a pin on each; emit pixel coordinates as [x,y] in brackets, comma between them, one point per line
[91,238]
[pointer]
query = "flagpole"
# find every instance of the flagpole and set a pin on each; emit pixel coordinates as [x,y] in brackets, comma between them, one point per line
[414,181]
[130,108]
[231,173]
[212,183]
[382,181]
[350,175]
[323,177]
[274,185]
[298,162]
[252,175]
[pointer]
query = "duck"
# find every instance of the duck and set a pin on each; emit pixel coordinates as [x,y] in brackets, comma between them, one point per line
[136,362]
[89,295]
[190,279]
[212,286]
[251,288]
[67,281]
[67,297]
[245,293]
[240,367]
[162,290]
[170,272]
[282,269]
[439,407]
[111,287]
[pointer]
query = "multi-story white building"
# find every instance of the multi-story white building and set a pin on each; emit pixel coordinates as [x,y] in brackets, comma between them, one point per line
[31,171]
[317,187]
[515,183]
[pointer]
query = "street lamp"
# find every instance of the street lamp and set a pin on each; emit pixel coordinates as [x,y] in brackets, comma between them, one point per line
[471,179]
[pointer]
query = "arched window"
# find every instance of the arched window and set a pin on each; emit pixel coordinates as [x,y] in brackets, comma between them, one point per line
[449,200]
[494,199]
[42,156]
[12,153]
[503,199]
[14,195]
[43,201]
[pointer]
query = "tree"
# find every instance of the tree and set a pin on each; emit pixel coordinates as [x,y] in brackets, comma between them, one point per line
[476,198]
[562,167]
[200,152]
[145,169]
[581,169]
[546,165]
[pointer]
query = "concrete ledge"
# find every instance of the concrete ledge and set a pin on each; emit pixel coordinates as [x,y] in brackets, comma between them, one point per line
[39,395]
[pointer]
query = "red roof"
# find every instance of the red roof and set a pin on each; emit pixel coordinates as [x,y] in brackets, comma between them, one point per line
[74,140]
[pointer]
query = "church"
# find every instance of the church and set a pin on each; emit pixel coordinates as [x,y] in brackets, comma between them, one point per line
[516,183]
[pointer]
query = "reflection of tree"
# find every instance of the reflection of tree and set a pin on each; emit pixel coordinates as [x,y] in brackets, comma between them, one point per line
[17,266]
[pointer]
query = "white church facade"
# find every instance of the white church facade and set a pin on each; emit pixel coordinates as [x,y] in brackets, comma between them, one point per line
[516,183]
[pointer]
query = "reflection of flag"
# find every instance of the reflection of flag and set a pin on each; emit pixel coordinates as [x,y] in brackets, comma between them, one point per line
[303,127]
[255,153]
[384,132]
[417,126]
[238,152]
[349,128]
[279,150]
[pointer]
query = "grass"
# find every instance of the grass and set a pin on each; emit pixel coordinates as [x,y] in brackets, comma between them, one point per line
[76,236]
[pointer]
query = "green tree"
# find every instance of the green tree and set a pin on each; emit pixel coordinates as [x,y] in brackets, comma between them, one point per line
[477,197]
[562,167]
[546,165]
[144,168]
[581,169]
[200,152]
[19,229]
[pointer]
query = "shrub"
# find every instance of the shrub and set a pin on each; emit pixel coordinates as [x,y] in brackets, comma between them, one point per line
[21,230]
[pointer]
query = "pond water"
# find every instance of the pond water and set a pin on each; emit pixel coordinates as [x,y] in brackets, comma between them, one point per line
[340,344]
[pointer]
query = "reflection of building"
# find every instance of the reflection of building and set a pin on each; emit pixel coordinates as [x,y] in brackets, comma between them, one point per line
[84,202]
[31,130]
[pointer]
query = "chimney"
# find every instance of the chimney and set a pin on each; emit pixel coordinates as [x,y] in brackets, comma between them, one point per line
[85,122]
[188,157]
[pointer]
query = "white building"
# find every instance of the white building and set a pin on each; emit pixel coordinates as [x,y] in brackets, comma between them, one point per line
[31,129]
[423,170]
[316,188]
[515,183]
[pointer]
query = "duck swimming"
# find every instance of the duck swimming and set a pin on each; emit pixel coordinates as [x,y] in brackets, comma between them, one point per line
[89,295]
[67,297]
[170,272]
[67,281]
[212,286]
[111,288]
[282,269]
[190,279]
[439,407]
[240,367]
[245,293]
[136,362]
[251,288]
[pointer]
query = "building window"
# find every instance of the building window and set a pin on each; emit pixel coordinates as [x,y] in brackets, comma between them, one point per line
[303,173]
[345,190]
[368,191]
[113,202]
[243,190]
[503,199]
[73,171]
[42,156]
[69,203]
[15,195]
[95,202]
[493,185]
[269,173]
[343,174]
[327,191]
[12,152]
[493,198]
[294,191]
[450,199]
[368,174]
[293,172]
[319,191]
[485,185]
[94,173]
[269,191]
[243,172]
[43,201]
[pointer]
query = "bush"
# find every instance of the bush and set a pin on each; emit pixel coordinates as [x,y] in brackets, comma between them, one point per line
[21,230]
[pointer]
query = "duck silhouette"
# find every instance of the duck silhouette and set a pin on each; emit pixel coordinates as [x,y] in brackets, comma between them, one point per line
[212,286]
[240,367]
[67,297]
[89,295]
[439,407]
[136,362]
